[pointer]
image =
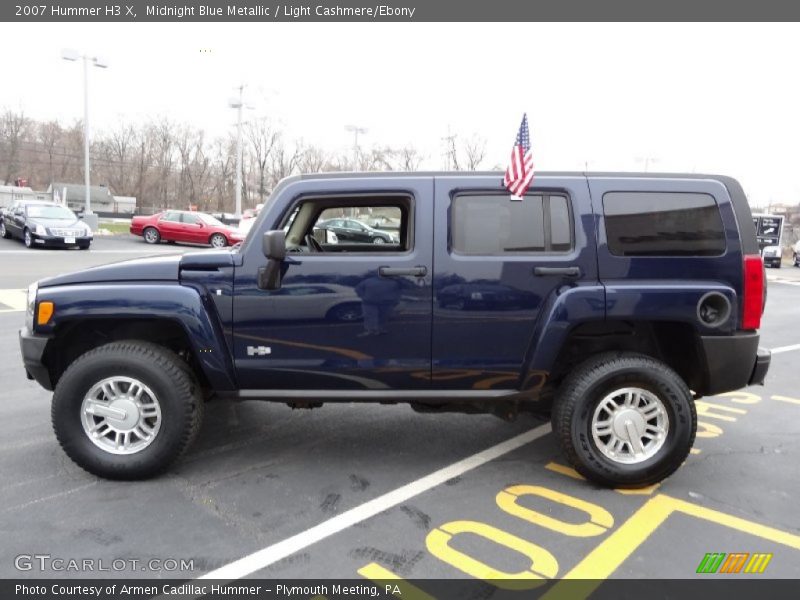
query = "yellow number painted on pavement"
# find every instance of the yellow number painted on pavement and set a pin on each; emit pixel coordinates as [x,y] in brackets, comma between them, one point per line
[599,518]
[708,430]
[741,397]
[543,564]
[706,409]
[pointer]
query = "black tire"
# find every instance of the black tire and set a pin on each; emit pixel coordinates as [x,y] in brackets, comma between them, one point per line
[3,231]
[27,238]
[218,241]
[164,372]
[151,235]
[84,246]
[585,387]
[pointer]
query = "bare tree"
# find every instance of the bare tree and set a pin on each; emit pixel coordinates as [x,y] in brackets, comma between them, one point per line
[49,135]
[194,165]
[116,151]
[409,159]
[475,151]
[14,129]
[263,137]
[313,160]
[284,161]
[224,162]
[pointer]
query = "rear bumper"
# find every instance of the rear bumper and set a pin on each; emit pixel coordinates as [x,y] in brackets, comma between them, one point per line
[733,362]
[32,347]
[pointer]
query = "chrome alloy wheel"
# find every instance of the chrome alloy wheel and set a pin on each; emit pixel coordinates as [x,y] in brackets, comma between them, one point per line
[630,425]
[121,415]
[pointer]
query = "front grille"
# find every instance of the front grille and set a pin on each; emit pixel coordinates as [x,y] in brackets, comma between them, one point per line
[66,232]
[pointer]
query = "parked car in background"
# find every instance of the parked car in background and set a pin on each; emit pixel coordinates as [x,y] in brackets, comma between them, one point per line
[185,226]
[351,230]
[796,253]
[772,256]
[40,224]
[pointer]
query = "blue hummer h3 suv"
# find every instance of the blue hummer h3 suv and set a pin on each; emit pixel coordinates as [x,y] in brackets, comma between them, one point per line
[608,301]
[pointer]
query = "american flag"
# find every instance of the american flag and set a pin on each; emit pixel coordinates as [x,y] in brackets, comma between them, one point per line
[519,173]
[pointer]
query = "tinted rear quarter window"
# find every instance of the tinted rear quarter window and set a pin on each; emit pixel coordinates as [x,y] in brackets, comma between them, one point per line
[663,224]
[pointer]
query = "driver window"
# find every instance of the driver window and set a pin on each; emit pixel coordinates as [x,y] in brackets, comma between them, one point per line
[371,224]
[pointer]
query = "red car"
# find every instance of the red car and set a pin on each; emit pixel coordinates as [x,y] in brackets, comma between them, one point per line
[185,226]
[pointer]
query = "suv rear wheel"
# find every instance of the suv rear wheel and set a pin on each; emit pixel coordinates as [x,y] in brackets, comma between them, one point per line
[625,420]
[126,410]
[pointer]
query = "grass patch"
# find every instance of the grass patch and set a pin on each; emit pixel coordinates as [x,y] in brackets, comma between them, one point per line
[116,228]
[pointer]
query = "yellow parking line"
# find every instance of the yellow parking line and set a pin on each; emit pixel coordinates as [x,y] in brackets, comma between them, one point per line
[13,299]
[787,399]
[570,472]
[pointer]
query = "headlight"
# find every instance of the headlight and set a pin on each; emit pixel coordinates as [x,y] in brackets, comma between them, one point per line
[31,305]
[40,230]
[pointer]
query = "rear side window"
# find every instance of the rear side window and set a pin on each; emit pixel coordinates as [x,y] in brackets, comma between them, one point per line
[493,224]
[663,224]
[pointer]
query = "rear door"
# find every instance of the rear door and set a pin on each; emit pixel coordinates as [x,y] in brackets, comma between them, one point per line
[169,226]
[499,264]
[353,316]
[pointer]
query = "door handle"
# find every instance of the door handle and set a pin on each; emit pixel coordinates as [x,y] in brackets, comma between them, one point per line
[562,271]
[419,271]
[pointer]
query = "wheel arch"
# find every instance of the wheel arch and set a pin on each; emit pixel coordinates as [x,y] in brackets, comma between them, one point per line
[88,317]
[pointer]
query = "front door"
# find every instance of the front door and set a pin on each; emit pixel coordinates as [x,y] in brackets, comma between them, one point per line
[351,315]
[499,271]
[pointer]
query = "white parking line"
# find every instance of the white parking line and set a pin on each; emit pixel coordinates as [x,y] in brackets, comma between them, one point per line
[780,349]
[271,554]
[14,300]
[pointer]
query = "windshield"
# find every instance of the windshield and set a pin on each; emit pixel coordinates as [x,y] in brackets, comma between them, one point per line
[46,211]
[209,220]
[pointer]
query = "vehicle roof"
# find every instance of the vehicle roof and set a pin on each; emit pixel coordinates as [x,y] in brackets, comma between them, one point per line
[620,174]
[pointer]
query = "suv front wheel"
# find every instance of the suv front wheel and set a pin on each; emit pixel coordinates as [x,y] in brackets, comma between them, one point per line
[625,420]
[126,410]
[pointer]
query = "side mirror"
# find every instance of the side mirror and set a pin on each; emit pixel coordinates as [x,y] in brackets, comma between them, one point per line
[273,244]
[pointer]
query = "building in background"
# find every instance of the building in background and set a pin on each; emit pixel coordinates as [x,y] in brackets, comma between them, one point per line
[11,193]
[103,201]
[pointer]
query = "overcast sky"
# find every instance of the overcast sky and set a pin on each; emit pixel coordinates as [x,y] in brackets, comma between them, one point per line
[700,97]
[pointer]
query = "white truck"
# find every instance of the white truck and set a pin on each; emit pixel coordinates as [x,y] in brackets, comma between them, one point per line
[769,233]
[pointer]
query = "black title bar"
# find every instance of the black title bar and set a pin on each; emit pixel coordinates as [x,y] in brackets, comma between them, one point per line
[397,10]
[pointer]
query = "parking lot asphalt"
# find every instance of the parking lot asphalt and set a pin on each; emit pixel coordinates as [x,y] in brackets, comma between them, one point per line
[362,491]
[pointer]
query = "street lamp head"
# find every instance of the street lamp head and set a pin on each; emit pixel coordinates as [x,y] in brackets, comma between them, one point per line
[234,102]
[70,54]
[101,62]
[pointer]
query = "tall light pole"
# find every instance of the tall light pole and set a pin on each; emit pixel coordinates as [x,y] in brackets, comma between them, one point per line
[238,104]
[73,55]
[355,130]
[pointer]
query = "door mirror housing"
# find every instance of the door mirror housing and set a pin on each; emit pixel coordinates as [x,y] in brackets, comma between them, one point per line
[273,244]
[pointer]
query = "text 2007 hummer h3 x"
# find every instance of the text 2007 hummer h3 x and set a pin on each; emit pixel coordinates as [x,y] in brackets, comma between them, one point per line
[611,301]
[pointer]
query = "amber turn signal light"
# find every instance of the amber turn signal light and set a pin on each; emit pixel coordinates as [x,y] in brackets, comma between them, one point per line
[44,313]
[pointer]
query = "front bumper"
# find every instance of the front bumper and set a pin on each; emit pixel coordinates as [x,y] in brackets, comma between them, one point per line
[32,347]
[734,361]
[55,241]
